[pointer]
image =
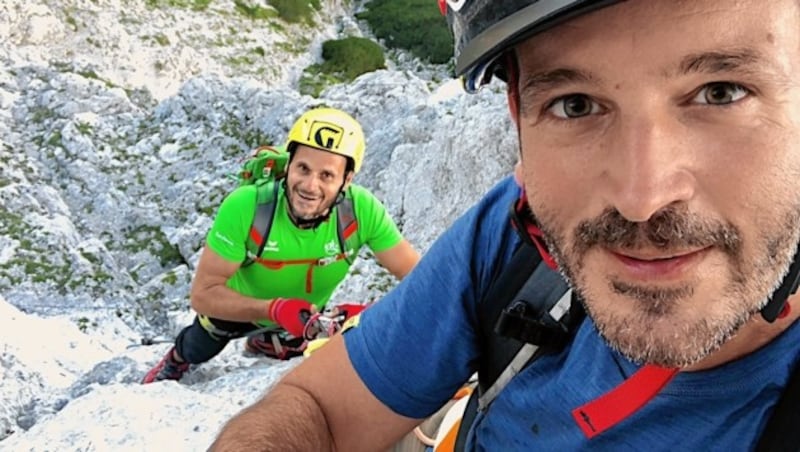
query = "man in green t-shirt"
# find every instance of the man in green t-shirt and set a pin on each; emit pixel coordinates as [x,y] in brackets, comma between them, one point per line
[301,263]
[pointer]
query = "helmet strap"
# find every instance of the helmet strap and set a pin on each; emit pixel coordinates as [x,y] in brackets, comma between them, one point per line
[512,92]
[777,302]
[312,223]
[512,84]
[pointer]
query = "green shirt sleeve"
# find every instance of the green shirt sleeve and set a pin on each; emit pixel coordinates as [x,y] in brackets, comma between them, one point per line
[376,228]
[228,234]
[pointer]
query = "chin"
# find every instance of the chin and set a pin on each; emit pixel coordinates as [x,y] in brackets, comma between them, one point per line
[677,330]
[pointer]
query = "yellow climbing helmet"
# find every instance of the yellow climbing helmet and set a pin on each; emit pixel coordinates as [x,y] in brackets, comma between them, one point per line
[331,130]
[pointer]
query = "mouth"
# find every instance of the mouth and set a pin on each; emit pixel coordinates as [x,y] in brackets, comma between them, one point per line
[650,265]
[306,197]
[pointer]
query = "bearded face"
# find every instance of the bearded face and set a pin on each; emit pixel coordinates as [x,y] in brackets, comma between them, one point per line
[664,177]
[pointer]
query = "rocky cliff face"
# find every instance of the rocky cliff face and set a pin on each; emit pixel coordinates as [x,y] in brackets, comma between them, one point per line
[119,126]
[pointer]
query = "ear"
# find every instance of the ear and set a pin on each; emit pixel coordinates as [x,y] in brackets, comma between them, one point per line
[518,174]
[347,179]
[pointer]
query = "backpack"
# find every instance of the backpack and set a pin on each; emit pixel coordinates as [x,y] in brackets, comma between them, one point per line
[529,311]
[266,169]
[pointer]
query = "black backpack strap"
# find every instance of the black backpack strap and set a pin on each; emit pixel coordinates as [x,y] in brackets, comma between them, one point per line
[262,223]
[527,311]
[496,351]
[782,432]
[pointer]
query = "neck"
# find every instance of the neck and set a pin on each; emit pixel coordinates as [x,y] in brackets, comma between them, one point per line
[751,336]
[302,223]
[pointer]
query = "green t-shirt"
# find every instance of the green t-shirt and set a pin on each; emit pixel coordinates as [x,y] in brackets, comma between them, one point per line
[286,242]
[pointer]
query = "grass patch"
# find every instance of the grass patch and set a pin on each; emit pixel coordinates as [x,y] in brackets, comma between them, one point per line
[90,74]
[152,239]
[84,128]
[314,80]
[296,11]
[197,5]
[254,12]
[413,25]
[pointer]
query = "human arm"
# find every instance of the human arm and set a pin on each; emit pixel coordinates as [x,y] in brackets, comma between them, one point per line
[405,356]
[399,259]
[210,296]
[213,294]
[380,232]
[309,410]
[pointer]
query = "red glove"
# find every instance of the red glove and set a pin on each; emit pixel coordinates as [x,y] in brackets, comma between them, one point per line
[291,314]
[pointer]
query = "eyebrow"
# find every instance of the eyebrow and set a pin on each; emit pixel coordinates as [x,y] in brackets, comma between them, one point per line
[706,62]
[546,80]
[714,62]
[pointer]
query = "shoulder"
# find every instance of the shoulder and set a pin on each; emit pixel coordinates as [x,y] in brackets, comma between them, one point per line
[246,193]
[507,190]
[491,214]
[358,192]
[364,201]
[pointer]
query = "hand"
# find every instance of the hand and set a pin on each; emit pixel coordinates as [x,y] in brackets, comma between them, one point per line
[291,314]
[330,321]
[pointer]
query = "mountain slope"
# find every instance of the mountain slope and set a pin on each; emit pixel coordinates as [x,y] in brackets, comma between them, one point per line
[112,168]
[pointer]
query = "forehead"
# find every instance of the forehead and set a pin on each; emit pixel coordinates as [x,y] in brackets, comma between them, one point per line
[649,33]
[318,157]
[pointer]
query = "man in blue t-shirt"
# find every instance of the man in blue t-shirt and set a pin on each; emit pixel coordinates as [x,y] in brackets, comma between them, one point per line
[659,158]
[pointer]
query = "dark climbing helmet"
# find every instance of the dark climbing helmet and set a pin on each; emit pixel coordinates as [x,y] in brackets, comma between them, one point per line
[484,29]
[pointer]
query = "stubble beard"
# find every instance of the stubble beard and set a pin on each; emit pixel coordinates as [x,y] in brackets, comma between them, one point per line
[323,208]
[658,326]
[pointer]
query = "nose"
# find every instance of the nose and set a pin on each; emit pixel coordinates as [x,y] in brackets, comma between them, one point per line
[649,166]
[309,183]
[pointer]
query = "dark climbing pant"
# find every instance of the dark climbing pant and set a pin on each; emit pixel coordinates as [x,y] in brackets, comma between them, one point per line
[197,345]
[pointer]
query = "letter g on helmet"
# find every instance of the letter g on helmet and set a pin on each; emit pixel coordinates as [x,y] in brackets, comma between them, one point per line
[484,29]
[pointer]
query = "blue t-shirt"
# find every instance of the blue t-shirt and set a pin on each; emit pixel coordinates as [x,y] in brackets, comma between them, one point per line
[418,345]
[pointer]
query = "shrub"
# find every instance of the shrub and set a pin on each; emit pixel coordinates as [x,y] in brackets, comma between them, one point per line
[414,25]
[352,57]
[345,59]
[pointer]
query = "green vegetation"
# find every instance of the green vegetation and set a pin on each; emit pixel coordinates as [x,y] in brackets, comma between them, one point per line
[90,74]
[197,5]
[295,11]
[152,239]
[70,19]
[251,136]
[83,323]
[170,278]
[11,224]
[345,59]
[254,12]
[352,57]
[160,39]
[84,128]
[413,25]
